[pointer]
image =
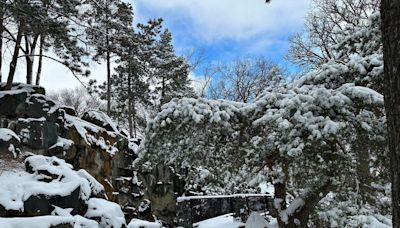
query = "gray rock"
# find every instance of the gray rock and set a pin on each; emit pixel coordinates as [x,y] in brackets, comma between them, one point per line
[9,142]
[100,119]
[38,106]
[68,110]
[70,201]
[37,206]
[37,133]
[31,89]
[13,103]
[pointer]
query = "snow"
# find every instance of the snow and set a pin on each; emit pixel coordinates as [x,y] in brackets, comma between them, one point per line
[7,134]
[11,92]
[137,223]
[188,198]
[63,143]
[47,222]
[86,129]
[103,118]
[255,220]
[16,187]
[110,213]
[218,222]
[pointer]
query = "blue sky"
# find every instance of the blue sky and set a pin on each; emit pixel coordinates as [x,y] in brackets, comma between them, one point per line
[228,29]
[223,29]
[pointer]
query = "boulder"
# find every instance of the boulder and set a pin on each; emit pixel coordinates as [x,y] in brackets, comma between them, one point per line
[37,206]
[37,133]
[13,103]
[68,110]
[31,89]
[38,105]
[106,213]
[100,119]
[9,142]
[64,149]
[70,201]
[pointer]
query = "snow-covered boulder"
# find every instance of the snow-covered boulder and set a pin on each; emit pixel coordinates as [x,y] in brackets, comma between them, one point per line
[9,142]
[47,182]
[68,110]
[48,222]
[55,194]
[137,223]
[31,89]
[108,214]
[100,119]
[38,105]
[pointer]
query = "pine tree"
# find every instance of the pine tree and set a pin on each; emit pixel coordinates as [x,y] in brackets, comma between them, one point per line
[108,20]
[44,24]
[171,72]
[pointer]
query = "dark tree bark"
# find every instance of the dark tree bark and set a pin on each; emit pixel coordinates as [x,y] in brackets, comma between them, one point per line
[29,62]
[108,59]
[1,38]
[390,13]
[361,147]
[30,49]
[40,63]
[14,60]
[130,124]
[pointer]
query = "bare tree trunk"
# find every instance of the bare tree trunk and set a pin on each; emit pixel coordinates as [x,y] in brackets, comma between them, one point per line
[130,107]
[29,62]
[1,38]
[390,11]
[39,70]
[14,60]
[108,59]
[30,48]
[280,202]
[361,147]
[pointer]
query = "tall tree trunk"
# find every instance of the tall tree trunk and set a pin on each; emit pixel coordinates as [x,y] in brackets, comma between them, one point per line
[39,70]
[280,202]
[14,60]
[108,84]
[1,39]
[108,59]
[130,106]
[361,147]
[163,91]
[29,61]
[390,11]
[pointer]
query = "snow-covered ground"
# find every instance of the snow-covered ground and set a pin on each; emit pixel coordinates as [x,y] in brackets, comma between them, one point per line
[254,221]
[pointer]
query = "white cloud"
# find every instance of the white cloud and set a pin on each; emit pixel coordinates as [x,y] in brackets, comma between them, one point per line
[214,20]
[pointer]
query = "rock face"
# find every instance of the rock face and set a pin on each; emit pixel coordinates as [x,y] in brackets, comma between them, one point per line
[43,128]
[93,143]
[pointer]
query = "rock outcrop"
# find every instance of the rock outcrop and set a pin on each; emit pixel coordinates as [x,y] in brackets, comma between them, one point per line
[50,190]
[92,143]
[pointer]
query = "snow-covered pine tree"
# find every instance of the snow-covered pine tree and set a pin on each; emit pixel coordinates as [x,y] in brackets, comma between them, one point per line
[303,138]
[355,51]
